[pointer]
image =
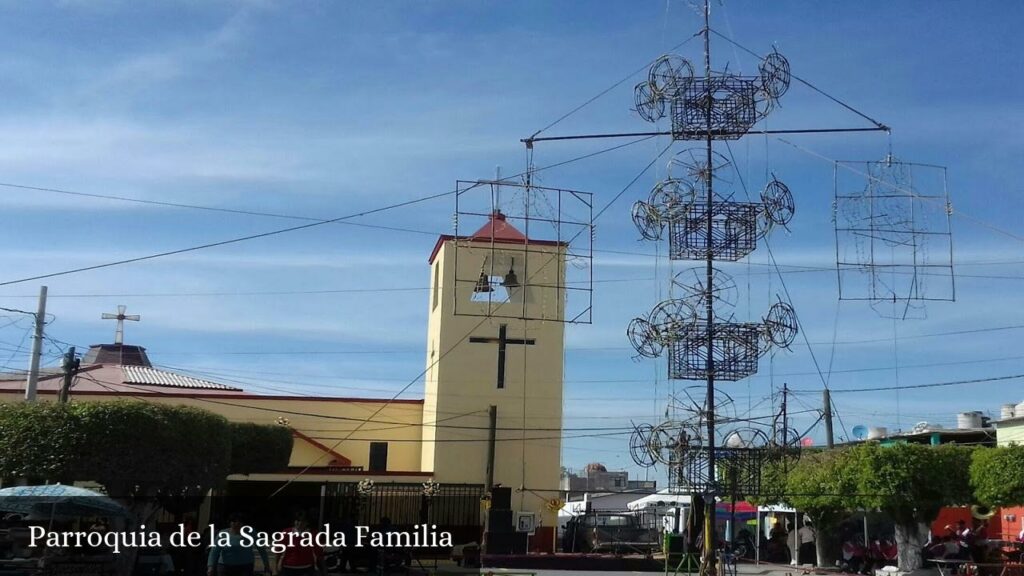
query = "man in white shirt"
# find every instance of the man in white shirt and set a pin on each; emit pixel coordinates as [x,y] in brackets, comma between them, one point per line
[806,553]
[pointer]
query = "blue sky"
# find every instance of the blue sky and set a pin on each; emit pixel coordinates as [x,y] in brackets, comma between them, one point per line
[325,109]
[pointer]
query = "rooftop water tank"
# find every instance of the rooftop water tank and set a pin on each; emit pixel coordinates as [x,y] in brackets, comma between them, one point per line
[967,420]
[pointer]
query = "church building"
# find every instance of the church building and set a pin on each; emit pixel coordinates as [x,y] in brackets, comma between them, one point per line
[491,412]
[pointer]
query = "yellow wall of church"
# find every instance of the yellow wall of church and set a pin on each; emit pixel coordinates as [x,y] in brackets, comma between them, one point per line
[462,375]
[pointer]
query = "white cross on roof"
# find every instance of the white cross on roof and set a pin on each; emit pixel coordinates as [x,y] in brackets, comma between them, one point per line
[120,317]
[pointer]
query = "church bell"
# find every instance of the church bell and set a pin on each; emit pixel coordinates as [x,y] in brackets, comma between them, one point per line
[483,284]
[510,280]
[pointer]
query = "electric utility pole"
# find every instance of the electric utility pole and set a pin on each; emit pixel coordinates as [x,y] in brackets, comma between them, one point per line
[70,365]
[37,348]
[827,399]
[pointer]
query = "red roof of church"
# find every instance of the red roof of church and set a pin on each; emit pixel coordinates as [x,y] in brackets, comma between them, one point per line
[497,230]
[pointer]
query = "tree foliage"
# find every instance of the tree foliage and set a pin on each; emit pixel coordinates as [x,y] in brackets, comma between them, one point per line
[824,484]
[257,448]
[131,448]
[997,475]
[158,448]
[910,482]
[37,441]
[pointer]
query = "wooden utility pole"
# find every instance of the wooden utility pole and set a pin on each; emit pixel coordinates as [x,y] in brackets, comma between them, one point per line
[37,348]
[492,427]
[785,414]
[827,399]
[70,366]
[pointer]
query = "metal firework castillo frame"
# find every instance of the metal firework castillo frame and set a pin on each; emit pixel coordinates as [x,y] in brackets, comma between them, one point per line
[523,251]
[894,245]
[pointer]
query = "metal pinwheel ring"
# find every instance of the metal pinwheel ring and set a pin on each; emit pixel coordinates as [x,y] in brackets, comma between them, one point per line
[648,220]
[775,75]
[640,445]
[649,105]
[671,319]
[778,202]
[671,197]
[644,338]
[781,324]
[670,74]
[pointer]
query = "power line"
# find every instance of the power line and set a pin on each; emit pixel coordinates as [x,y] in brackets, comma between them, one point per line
[631,182]
[369,419]
[229,241]
[241,374]
[16,311]
[606,90]
[806,83]
[576,348]
[477,440]
[783,269]
[918,386]
[314,221]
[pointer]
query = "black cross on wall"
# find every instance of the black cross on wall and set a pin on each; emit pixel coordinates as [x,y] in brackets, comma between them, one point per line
[502,340]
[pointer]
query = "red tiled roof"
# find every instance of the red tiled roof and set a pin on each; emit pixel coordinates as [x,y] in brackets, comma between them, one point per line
[497,230]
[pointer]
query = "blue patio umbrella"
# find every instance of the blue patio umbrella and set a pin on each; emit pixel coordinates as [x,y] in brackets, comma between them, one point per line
[58,501]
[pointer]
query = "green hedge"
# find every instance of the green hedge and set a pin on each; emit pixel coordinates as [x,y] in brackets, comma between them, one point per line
[259,448]
[997,475]
[133,448]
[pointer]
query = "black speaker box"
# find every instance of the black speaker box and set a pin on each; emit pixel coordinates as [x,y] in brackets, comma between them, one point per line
[499,521]
[501,498]
[506,543]
[519,542]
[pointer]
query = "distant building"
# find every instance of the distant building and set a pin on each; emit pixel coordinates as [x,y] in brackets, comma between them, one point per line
[1010,426]
[596,478]
[1010,430]
[972,428]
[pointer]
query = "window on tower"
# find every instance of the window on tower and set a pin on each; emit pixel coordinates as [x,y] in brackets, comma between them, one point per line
[498,293]
[437,284]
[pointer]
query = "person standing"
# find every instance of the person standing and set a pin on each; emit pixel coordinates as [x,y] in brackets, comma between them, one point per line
[234,559]
[299,560]
[807,553]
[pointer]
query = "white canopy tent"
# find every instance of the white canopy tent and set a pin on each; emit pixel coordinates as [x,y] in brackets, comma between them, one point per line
[774,512]
[662,500]
[670,509]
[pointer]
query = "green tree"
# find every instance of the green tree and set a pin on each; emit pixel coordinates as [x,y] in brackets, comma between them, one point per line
[911,483]
[997,475]
[822,484]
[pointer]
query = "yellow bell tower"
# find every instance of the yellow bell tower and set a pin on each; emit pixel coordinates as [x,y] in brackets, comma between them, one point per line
[496,338]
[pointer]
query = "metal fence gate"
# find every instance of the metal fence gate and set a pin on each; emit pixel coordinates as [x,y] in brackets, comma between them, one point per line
[454,508]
